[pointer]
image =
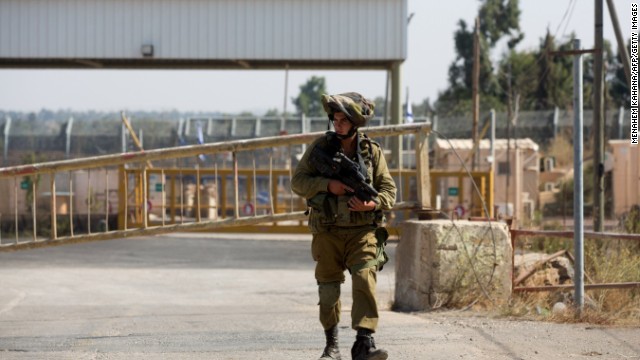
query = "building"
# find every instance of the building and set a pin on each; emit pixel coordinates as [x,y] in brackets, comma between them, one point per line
[626,175]
[516,171]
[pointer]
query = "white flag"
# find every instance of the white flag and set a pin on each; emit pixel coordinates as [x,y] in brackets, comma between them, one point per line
[200,139]
[408,116]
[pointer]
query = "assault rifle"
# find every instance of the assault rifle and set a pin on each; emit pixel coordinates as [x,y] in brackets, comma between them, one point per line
[340,167]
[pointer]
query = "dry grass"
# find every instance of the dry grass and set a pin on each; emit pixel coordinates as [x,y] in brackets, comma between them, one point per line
[605,262]
[561,149]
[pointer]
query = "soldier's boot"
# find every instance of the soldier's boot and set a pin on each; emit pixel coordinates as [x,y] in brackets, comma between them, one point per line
[365,348]
[331,351]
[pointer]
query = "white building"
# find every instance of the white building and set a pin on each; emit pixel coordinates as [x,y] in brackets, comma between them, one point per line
[516,170]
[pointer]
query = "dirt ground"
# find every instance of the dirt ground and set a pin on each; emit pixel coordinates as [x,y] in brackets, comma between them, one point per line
[192,296]
[488,337]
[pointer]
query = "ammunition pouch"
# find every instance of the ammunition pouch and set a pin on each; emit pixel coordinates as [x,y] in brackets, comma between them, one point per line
[381,258]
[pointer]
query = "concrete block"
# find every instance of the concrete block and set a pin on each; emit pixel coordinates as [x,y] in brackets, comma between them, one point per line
[440,263]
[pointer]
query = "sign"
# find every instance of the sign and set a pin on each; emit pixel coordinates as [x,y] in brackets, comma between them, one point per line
[158,187]
[453,191]
[460,211]
[248,209]
[24,184]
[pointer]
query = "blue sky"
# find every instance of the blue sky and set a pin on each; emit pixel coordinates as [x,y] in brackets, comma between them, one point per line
[430,52]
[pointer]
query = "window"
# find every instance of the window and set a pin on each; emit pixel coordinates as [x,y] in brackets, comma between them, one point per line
[503,168]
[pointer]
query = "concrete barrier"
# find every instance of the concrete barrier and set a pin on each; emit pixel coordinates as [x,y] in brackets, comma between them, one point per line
[445,263]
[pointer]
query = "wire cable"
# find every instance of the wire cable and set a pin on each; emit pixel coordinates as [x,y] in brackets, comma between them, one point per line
[487,214]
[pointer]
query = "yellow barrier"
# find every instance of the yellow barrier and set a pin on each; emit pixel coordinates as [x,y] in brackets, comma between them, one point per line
[96,209]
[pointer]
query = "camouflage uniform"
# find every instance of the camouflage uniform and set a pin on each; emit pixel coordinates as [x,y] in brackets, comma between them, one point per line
[345,239]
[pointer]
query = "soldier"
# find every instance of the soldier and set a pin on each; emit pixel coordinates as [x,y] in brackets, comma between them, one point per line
[347,232]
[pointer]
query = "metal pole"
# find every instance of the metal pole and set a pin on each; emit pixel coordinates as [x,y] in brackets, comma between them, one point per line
[286,92]
[145,209]
[492,165]
[598,123]
[555,121]
[306,125]
[124,137]
[578,200]
[7,129]
[68,133]
[106,199]
[385,110]
[89,195]
[624,54]
[396,112]
[474,89]
[33,206]
[236,185]
[492,150]
[620,121]
[54,210]
[71,203]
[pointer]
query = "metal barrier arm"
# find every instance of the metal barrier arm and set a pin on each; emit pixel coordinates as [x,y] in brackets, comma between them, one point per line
[195,150]
[166,229]
[141,177]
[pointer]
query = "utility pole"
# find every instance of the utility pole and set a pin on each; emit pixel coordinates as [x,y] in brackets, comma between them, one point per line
[578,201]
[474,89]
[283,123]
[624,54]
[509,121]
[598,123]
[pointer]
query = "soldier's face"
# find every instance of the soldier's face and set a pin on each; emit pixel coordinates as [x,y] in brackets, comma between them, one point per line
[341,123]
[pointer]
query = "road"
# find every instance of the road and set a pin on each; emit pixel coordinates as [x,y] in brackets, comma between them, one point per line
[205,296]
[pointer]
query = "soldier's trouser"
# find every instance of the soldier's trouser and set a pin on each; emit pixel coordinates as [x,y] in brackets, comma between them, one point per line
[335,252]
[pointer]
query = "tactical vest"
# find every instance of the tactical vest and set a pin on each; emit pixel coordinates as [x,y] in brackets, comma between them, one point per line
[329,211]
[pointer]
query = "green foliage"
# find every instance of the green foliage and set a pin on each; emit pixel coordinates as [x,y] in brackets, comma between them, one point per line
[272,113]
[499,18]
[461,70]
[308,101]
[631,220]
[563,204]
[517,73]
[618,85]
[555,78]
[423,109]
[380,107]
[528,80]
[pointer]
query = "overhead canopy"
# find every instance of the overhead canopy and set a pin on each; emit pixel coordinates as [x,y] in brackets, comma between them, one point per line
[215,34]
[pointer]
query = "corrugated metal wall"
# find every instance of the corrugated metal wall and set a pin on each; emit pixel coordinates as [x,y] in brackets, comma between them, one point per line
[200,29]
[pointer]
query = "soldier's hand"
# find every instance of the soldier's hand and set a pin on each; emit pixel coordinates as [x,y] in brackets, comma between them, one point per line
[336,187]
[356,204]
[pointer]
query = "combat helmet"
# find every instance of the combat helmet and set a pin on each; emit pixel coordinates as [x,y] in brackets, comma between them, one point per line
[356,107]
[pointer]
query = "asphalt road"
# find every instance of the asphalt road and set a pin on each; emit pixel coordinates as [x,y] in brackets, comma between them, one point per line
[204,296]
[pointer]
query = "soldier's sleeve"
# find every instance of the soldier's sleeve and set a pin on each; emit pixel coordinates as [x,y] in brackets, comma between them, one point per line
[383,182]
[307,181]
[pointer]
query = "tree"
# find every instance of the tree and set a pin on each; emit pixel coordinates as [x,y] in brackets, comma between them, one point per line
[555,79]
[423,109]
[308,101]
[518,73]
[498,18]
[380,106]
[618,85]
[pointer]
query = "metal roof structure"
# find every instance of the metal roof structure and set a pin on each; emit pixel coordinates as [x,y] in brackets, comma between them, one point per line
[215,34]
[208,34]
